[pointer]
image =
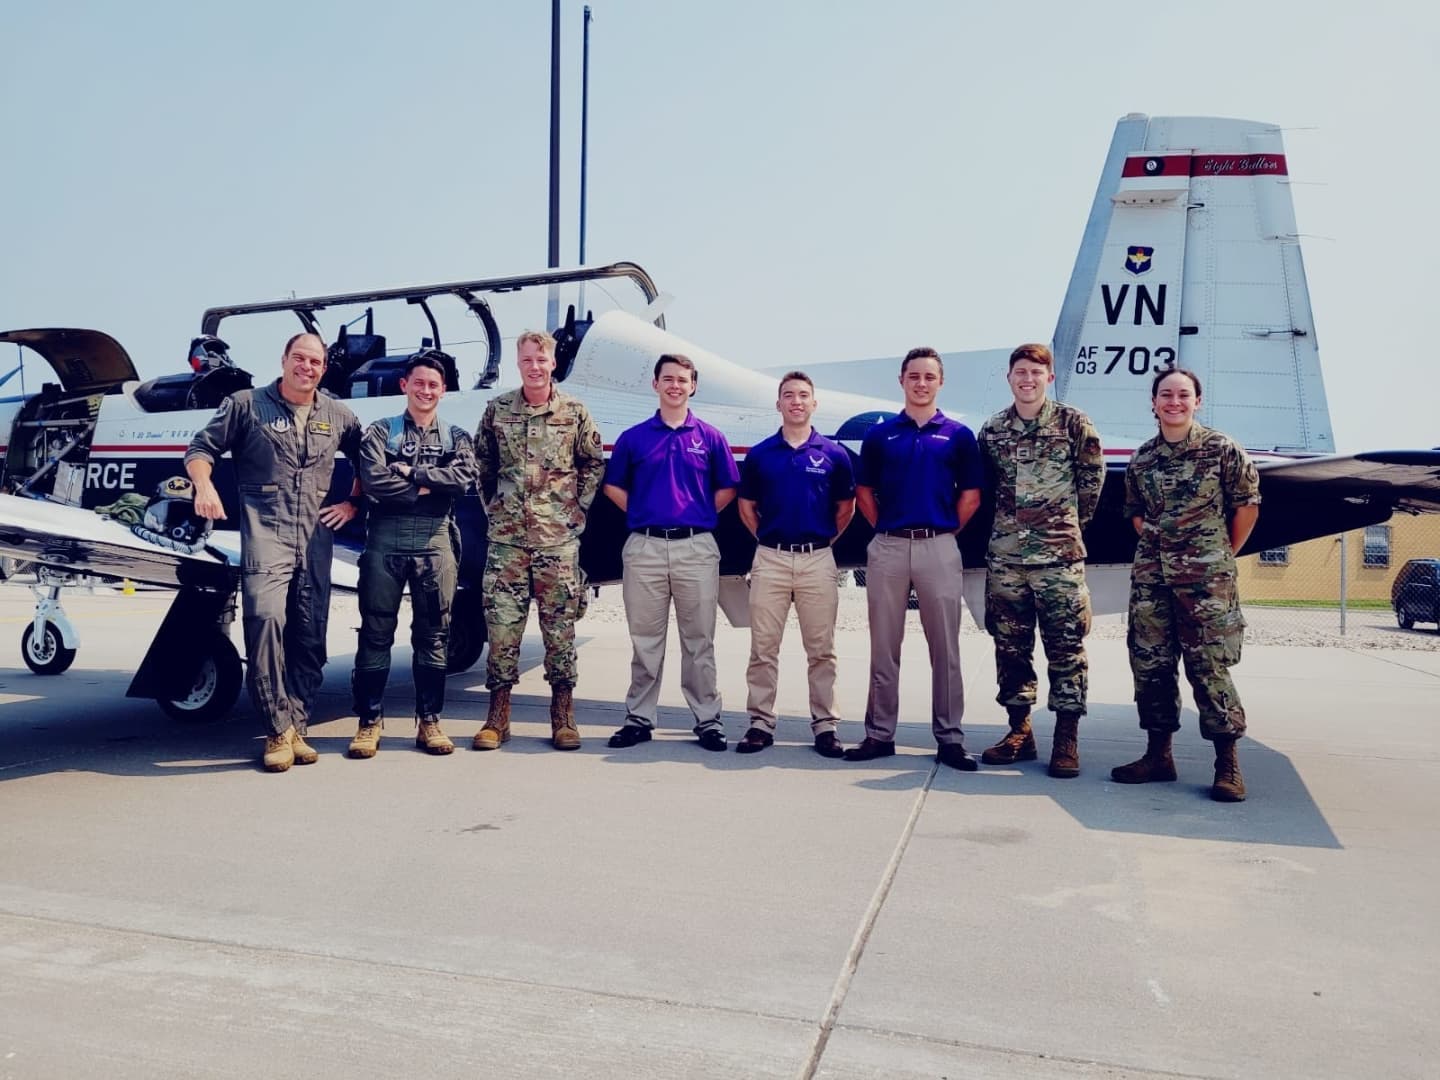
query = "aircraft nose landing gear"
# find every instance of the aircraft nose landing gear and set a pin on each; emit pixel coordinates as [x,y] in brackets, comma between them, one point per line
[49,643]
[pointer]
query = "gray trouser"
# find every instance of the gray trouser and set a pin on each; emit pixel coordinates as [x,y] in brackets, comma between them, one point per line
[892,565]
[658,571]
[285,616]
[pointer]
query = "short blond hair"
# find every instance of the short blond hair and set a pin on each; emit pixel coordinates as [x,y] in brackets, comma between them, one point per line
[539,337]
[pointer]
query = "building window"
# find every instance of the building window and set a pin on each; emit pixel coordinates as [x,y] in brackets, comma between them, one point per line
[1275,557]
[1377,545]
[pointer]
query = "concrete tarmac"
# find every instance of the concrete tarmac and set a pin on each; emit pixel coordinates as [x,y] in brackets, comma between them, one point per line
[169,910]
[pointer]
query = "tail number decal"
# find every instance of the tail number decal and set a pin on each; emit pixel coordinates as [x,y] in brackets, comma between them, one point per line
[1140,360]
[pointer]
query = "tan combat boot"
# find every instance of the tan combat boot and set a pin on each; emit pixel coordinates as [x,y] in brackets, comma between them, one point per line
[279,752]
[1064,747]
[305,754]
[1229,784]
[1157,764]
[366,742]
[1018,745]
[564,735]
[430,738]
[497,723]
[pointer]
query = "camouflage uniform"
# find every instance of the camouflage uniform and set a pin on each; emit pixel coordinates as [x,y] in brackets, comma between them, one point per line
[409,538]
[1183,600]
[1046,474]
[540,466]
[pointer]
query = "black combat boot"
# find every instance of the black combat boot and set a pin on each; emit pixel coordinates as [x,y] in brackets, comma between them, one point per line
[1157,764]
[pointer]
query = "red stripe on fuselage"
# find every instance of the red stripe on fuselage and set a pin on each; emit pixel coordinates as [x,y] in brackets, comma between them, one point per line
[1207,165]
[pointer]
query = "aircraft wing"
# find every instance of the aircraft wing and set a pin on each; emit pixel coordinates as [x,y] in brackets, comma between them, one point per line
[72,539]
[1305,498]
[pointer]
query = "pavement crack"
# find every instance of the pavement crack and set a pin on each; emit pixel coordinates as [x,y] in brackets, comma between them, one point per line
[416,969]
[863,931]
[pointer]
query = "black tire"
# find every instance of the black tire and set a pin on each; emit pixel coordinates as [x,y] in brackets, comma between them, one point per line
[217,685]
[467,632]
[47,655]
[1405,621]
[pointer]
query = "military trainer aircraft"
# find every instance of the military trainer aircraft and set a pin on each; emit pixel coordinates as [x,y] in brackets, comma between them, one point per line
[1190,257]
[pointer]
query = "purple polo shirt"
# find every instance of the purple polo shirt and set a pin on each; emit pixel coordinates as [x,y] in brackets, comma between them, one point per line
[918,473]
[671,474]
[795,489]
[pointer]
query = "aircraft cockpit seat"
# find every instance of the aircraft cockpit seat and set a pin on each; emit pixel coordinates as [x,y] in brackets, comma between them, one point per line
[212,378]
[567,341]
[346,356]
[381,376]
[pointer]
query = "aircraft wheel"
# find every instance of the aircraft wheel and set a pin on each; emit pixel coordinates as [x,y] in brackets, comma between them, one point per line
[46,655]
[217,685]
[467,631]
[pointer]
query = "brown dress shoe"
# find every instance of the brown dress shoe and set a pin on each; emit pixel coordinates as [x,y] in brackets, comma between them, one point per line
[755,740]
[827,744]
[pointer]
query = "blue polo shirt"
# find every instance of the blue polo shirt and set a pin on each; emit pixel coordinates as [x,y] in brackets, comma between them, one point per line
[795,489]
[671,474]
[919,472]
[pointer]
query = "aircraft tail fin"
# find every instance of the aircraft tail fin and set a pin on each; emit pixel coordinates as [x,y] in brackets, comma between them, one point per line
[1191,257]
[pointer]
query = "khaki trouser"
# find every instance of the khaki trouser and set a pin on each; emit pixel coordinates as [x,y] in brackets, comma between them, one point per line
[658,571]
[892,565]
[777,577]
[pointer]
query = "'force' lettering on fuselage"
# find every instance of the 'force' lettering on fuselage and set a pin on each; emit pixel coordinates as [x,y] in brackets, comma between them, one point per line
[1145,303]
[110,475]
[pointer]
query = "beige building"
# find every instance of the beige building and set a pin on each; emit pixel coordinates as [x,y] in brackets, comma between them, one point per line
[1311,571]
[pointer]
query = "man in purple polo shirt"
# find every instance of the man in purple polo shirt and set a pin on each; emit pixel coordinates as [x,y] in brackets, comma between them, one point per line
[797,494]
[920,480]
[672,475]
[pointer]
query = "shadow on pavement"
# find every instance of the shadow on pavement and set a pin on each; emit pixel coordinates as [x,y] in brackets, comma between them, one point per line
[89,725]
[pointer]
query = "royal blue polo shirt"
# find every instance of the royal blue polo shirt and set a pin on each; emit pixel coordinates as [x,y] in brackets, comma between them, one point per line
[795,489]
[671,474]
[919,472]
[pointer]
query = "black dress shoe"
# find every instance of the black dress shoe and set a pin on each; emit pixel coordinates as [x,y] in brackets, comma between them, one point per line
[870,749]
[954,755]
[827,745]
[755,740]
[713,739]
[629,735]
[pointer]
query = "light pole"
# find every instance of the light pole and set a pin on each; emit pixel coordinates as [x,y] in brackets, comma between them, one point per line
[552,310]
[584,143]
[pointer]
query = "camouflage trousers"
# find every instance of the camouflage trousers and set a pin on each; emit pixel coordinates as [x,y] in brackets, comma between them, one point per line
[1057,598]
[1202,624]
[515,575]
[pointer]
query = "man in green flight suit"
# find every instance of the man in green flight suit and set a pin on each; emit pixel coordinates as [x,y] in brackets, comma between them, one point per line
[412,469]
[540,458]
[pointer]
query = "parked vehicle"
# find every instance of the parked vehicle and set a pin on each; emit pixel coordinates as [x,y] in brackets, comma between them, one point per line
[1415,593]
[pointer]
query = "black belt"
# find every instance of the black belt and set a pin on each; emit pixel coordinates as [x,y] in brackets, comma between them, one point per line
[914,534]
[672,534]
[797,549]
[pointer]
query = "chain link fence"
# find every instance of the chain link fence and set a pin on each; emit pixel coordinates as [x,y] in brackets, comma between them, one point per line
[1377,587]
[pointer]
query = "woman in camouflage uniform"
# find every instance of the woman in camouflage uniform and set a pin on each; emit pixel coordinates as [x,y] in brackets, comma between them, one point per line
[1193,495]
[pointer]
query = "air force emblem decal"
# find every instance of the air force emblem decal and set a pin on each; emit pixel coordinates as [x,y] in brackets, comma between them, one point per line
[1138,260]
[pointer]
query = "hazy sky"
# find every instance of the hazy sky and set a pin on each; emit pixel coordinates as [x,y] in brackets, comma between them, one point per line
[811,181]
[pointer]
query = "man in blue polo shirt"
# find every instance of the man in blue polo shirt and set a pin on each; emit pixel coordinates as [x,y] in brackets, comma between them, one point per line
[919,483]
[797,494]
[672,475]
